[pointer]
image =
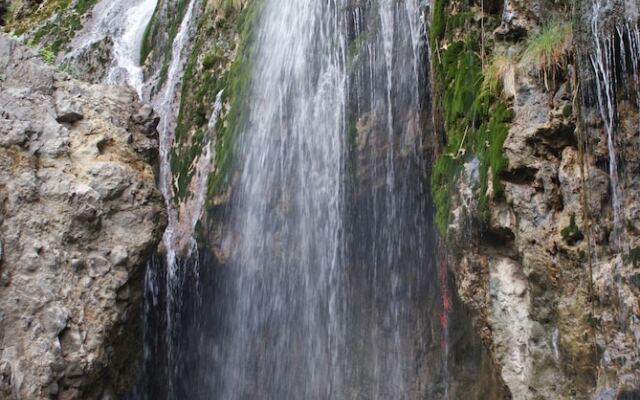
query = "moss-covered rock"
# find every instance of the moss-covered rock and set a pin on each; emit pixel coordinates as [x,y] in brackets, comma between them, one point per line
[475,119]
[220,62]
[49,24]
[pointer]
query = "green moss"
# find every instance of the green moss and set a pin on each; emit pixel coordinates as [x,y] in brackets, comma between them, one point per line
[238,81]
[154,31]
[443,179]
[39,12]
[56,34]
[82,6]
[48,56]
[145,46]
[213,58]
[572,234]
[490,139]
[209,71]
[438,21]
[476,120]
[582,255]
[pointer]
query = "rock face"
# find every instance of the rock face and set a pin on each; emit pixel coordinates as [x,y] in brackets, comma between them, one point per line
[549,271]
[79,215]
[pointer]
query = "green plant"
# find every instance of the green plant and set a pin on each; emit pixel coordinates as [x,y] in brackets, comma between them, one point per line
[548,52]
[489,144]
[213,67]
[56,33]
[48,56]
[572,234]
[213,58]
[500,74]
[476,122]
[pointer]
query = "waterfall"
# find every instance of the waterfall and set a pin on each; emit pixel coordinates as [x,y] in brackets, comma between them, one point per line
[327,292]
[331,286]
[287,212]
[124,21]
[192,210]
[126,64]
[166,104]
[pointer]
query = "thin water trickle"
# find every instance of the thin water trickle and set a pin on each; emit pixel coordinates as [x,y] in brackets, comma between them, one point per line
[192,210]
[615,60]
[614,57]
[603,65]
[166,105]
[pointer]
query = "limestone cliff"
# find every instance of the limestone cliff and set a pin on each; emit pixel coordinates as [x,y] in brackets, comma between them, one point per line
[527,193]
[80,213]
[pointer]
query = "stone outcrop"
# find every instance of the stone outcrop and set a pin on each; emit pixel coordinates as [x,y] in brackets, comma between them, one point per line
[554,292]
[80,213]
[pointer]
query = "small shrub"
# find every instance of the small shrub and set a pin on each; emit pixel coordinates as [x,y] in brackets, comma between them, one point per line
[213,58]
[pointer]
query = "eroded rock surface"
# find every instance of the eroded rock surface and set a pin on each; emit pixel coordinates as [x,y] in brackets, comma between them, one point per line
[552,282]
[79,215]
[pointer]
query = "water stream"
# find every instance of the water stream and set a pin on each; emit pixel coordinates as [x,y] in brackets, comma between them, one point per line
[614,56]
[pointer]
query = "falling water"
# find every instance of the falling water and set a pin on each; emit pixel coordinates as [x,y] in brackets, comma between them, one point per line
[191,211]
[327,291]
[288,209]
[615,59]
[330,286]
[126,48]
[603,65]
[614,56]
[124,21]
[166,105]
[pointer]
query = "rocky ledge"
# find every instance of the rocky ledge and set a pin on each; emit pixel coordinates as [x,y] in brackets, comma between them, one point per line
[80,213]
